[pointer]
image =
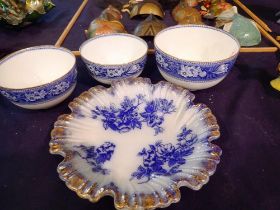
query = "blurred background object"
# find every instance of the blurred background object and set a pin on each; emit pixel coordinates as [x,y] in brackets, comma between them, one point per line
[23,12]
[184,13]
[244,30]
[143,8]
[149,27]
[276,82]
[108,22]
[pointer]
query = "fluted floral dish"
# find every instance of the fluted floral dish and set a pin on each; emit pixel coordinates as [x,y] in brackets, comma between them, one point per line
[136,141]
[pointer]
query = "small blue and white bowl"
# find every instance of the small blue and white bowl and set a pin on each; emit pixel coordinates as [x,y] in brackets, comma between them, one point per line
[38,77]
[195,56]
[114,56]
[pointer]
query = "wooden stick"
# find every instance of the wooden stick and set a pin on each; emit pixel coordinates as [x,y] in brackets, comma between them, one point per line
[151,51]
[242,50]
[252,15]
[70,24]
[278,38]
[268,36]
[76,53]
[258,49]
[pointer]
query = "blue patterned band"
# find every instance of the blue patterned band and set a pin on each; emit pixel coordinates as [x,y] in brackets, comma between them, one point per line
[41,93]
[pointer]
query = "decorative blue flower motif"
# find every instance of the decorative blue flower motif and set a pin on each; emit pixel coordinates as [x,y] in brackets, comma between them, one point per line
[128,116]
[121,119]
[191,71]
[135,68]
[36,95]
[161,61]
[42,93]
[60,88]
[91,68]
[154,112]
[186,70]
[8,96]
[165,159]
[96,157]
[116,71]
[221,69]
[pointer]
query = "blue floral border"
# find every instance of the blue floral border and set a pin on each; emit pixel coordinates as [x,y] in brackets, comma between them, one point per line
[193,72]
[42,93]
[112,72]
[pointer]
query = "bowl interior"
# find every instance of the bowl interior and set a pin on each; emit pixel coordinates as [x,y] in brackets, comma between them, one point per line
[196,43]
[34,67]
[114,49]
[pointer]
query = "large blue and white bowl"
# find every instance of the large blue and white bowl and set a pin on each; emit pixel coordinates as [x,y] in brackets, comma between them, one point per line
[38,77]
[116,56]
[137,142]
[195,56]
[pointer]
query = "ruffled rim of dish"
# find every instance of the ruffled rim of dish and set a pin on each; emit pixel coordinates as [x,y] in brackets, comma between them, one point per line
[91,191]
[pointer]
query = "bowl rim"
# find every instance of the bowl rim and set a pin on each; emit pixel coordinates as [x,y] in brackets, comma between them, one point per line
[39,47]
[115,34]
[197,62]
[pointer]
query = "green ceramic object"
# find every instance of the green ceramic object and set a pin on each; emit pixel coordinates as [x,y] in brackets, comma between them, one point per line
[245,31]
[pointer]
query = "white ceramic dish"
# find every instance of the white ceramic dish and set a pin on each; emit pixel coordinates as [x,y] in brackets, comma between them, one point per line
[195,56]
[137,142]
[38,77]
[114,56]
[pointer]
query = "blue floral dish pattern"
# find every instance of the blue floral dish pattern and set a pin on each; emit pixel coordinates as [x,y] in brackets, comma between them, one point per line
[110,144]
[42,93]
[192,71]
[128,117]
[165,159]
[116,71]
[96,157]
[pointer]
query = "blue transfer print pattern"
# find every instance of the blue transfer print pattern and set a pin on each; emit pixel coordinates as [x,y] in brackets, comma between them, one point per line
[165,159]
[114,72]
[132,113]
[41,93]
[96,157]
[190,71]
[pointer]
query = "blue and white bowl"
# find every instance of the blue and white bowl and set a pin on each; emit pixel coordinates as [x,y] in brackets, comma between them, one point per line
[114,56]
[38,77]
[195,56]
[137,142]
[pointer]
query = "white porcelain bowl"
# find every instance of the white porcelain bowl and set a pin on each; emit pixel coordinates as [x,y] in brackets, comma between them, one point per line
[114,56]
[38,77]
[195,56]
